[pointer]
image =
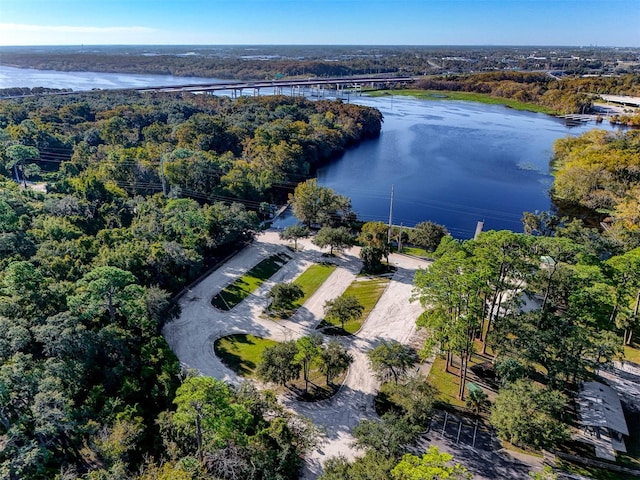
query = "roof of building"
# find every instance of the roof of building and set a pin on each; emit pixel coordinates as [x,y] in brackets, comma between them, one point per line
[600,407]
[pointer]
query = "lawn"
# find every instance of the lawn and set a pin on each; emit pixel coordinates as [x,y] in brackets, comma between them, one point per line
[244,286]
[447,383]
[590,472]
[632,353]
[311,279]
[368,291]
[466,96]
[415,251]
[242,352]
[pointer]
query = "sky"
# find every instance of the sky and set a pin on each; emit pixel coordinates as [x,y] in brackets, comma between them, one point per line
[322,22]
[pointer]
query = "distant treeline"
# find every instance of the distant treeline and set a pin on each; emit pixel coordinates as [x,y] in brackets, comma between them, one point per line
[214,67]
[268,62]
[21,91]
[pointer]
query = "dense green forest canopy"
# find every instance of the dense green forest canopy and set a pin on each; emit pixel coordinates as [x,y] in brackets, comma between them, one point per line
[250,149]
[600,171]
[88,386]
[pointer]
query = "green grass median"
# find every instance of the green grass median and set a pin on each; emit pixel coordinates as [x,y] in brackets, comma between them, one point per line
[244,286]
[367,292]
[241,352]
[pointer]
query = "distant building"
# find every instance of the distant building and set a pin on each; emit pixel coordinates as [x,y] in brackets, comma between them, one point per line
[602,418]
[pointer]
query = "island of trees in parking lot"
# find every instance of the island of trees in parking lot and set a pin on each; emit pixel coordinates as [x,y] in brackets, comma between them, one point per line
[145,191]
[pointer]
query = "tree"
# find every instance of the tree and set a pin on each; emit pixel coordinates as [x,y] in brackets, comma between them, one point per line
[374,234]
[103,289]
[509,370]
[334,237]
[432,465]
[278,364]
[545,474]
[335,468]
[416,398]
[624,271]
[503,262]
[391,435]
[18,157]
[391,359]
[316,205]
[451,290]
[542,224]
[333,360]
[427,235]
[374,238]
[371,258]
[372,466]
[343,309]
[283,295]
[308,352]
[477,400]
[294,232]
[206,412]
[525,414]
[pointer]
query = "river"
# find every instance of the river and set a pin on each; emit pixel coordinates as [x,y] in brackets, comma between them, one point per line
[450,162]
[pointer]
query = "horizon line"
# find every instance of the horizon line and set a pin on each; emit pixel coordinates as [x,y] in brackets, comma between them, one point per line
[531,45]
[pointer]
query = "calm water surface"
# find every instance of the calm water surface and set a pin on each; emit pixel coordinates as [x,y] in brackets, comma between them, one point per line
[450,162]
[82,81]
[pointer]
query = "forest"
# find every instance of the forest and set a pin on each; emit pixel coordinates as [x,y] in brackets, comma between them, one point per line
[143,193]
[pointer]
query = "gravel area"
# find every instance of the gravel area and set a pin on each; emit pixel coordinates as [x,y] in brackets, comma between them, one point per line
[192,334]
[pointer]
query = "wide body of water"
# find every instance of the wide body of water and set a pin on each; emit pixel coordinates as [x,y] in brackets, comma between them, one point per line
[451,162]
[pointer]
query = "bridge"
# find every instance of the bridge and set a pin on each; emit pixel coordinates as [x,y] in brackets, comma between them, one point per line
[278,86]
[622,100]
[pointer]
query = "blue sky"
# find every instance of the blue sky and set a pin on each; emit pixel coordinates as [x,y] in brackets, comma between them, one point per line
[363,22]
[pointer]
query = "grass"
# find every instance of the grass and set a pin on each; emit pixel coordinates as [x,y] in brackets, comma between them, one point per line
[318,388]
[367,291]
[447,384]
[241,352]
[632,353]
[590,472]
[244,286]
[311,279]
[415,251]
[466,96]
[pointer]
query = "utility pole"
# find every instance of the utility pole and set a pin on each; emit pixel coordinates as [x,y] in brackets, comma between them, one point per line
[400,239]
[390,217]
[164,184]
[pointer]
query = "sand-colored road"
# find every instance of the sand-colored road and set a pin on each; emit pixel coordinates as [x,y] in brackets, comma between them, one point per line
[192,334]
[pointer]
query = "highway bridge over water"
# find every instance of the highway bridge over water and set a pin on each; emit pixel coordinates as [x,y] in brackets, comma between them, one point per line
[294,87]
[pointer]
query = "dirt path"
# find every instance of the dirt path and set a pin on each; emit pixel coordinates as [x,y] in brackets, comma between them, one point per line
[191,336]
